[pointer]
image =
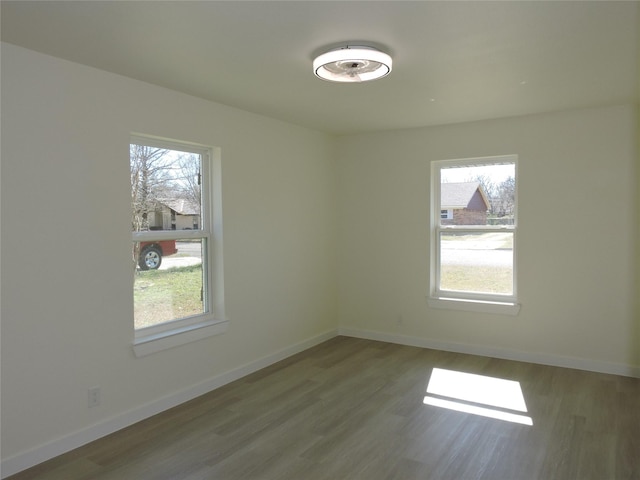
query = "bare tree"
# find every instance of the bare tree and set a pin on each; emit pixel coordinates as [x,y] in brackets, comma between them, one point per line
[489,188]
[150,180]
[150,176]
[500,194]
[506,197]
[189,179]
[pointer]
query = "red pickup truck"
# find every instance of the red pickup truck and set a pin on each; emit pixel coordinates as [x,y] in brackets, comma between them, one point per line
[151,253]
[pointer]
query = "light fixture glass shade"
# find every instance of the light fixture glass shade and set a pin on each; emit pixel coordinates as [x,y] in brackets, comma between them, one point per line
[352,64]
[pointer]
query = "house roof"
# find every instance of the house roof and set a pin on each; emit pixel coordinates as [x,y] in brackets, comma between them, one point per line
[459,194]
[182,206]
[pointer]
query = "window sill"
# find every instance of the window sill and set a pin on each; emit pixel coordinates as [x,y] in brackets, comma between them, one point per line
[143,346]
[474,305]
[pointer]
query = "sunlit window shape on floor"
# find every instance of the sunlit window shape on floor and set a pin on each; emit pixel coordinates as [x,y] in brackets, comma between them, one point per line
[477,394]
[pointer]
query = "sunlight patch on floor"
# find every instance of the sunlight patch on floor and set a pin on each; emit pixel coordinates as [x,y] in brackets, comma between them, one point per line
[471,393]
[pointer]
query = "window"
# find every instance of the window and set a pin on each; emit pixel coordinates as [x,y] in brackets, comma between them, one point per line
[446,214]
[473,234]
[176,251]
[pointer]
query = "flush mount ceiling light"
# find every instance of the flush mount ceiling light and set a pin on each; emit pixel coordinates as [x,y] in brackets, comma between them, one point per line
[352,64]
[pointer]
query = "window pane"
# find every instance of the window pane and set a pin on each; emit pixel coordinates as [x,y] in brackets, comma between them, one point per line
[165,189]
[170,285]
[477,262]
[478,194]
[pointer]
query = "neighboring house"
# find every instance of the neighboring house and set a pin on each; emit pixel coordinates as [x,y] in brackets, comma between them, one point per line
[463,204]
[175,214]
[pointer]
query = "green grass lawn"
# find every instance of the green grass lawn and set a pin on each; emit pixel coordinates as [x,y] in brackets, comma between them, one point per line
[163,295]
[476,279]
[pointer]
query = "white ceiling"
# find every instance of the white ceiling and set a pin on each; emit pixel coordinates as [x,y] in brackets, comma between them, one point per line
[453,61]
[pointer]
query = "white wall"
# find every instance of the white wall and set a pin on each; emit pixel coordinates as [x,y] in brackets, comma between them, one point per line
[292,214]
[578,213]
[66,281]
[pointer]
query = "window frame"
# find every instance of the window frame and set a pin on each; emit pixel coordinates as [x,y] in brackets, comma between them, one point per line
[465,300]
[212,321]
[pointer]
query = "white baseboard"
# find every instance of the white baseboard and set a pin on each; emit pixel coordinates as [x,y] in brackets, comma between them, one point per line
[497,352]
[52,449]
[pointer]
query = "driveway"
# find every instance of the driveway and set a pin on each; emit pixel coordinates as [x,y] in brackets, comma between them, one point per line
[477,257]
[189,253]
[491,249]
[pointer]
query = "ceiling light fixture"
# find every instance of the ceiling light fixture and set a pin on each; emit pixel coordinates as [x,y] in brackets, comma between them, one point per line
[352,64]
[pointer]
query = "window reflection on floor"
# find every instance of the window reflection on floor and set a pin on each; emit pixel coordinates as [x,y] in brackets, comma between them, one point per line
[475,394]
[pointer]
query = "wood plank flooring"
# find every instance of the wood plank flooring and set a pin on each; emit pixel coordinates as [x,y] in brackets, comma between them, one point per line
[353,409]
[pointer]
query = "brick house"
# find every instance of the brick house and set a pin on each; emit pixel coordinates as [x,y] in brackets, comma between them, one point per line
[463,203]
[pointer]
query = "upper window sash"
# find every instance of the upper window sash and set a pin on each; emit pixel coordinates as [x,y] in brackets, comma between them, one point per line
[439,165]
[206,183]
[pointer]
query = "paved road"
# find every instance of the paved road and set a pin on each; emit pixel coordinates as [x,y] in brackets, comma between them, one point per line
[189,253]
[497,258]
[189,249]
[487,249]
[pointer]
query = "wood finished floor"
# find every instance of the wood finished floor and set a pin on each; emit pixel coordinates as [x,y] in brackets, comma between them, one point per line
[353,409]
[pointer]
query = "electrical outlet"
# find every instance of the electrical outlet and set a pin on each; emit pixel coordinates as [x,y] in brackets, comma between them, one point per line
[94,397]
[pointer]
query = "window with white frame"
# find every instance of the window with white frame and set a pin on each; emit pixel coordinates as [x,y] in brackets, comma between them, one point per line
[473,246]
[176,235]
[446,214]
